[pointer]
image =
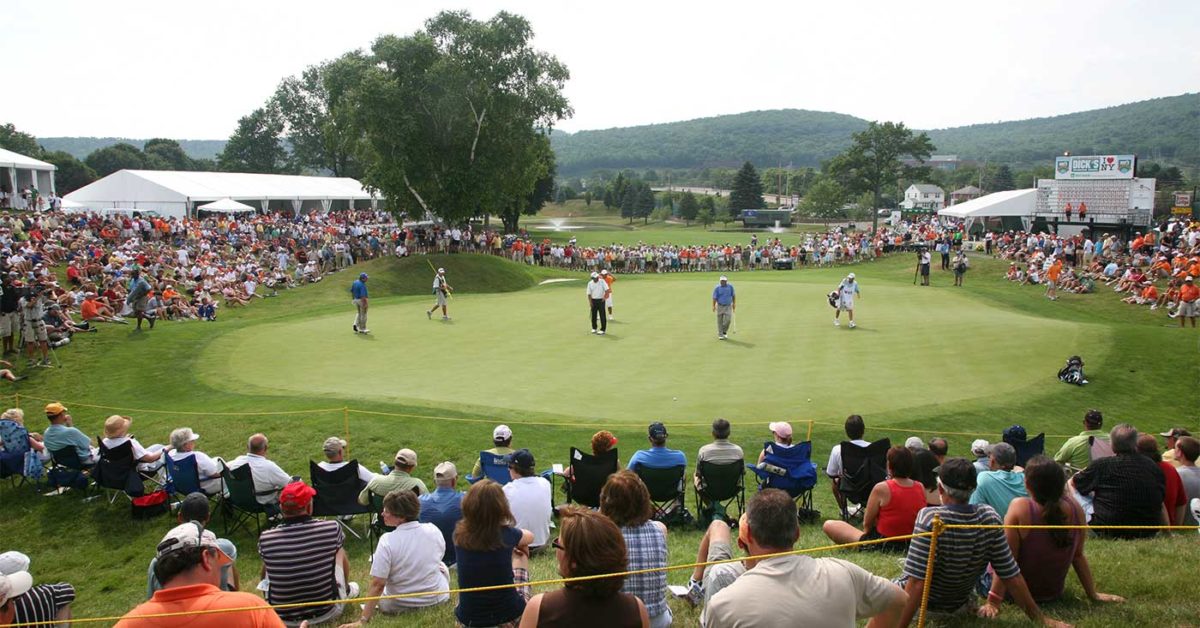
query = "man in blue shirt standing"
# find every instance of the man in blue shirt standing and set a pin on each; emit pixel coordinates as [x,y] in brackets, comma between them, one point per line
[443,507]
[724,303]
[358,290]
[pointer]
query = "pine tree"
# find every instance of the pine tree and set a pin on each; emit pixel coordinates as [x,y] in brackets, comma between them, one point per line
[747,191]
[688,207]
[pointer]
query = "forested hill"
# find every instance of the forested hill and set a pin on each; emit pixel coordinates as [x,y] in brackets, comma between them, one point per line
[1163,129]
[81,147]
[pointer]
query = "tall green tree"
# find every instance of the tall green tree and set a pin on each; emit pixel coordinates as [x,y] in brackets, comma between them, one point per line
[164,154]
[539,177]
[107,160]
[824,201]
[747,192]
[317,111]
[255,145]
[1003,180]
[689,209]
[644,204]
[446,114]
[875,160]
[629,203]
[72,174]
[19,141]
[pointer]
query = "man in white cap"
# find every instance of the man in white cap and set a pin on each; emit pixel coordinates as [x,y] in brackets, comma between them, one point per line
[1189,301]
[443,507]
[597,291]
[608,298]
[28,603]
[724,303]
[979,449]
[501,446]
[183,445]
[334,449]
[441,290]
[400,479]
[847,290]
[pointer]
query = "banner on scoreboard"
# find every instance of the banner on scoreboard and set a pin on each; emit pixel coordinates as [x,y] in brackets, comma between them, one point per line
[1094,167]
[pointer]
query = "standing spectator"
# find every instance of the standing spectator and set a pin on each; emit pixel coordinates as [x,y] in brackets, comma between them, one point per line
[334,449]
[855,429]
[10,318]
[41,603]
[1044,556]
[1174,497]
[720,451]
[1189,301]
[1127,488]
[62,433]
[490,552]
[588,545]
[529,498]
[443,507]
[892,507]
[303,560]
[269,479]
[138,297]
[400,479]
[626,501]
[407,560]
[999,485]
[1187,450]
[1077,451]
[963,553]
[194,507]
[502,438]
[796,589]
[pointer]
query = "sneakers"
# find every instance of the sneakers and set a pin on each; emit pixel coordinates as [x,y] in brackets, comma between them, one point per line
[721,337]
[837,323]
[46,364]
[429,314]
[852,325]
[695,593]
[364,331]
[1082,382]
[594,331]
[355,327]
[600,333]
[445,318]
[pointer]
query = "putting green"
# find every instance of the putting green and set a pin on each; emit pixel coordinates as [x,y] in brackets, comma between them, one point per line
[531,352]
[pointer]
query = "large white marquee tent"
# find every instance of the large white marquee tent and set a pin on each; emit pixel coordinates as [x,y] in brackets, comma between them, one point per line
[178,193]
[1020,203]
[18,172]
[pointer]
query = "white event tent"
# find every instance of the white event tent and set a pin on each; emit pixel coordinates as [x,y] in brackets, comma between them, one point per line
[226,206]
[18,172]
[1019,203]
[178,193]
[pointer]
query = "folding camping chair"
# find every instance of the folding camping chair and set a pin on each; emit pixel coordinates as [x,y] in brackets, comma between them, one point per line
[18,461]
[377,528]
[720,486]
[1025,449]
[666,493]
[495,468]
[862,469]
[790,469]
[184,478]
[337,493]
[1099,448]
[69,471]
[116,472]
[241,505]
[589,473]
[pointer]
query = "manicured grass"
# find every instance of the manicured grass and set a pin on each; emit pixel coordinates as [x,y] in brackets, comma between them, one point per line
[943,359]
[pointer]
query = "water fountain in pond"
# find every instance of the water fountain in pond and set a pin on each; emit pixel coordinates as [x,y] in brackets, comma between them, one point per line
[776,228]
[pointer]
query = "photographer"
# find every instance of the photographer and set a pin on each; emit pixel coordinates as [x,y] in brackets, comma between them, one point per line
[33,328]
[9,316]
[923,260]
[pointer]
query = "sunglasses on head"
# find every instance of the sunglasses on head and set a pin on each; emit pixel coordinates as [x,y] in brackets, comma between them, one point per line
[557,545]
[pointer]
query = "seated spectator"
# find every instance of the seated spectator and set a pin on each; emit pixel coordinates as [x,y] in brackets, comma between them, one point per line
[1077,451]
[116,433]
[303,560]
[1126,488]
[1172,435]
[501,446]
[1044,556]
[626,501]
[720,451]
[407,560]
[998,486]
[781,434]
[62,433]
[94,310]
[589,544]
[529,498]
[979,449]
[38,603]
[1174,498]
[195,507]
[183,445]
[855,429]
[490,552]
[796,589]
[443,507]
[189,565]
[925,468]
[962,553]
[602,441]
[708,580]
[400,479]
[335,451]
[891,510]
[659,456]
[11,423]
[1187,449]
[269,479]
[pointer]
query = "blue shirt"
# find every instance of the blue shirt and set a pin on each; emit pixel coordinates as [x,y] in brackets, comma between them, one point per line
[657,458]
[723,295]
[998,488]
[358,289]
[443,508]
[58,437]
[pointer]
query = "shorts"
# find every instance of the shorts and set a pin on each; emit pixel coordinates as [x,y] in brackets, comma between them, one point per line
[889,546]
[845,305]
[35,333]
[924,270]
[8,324]
[1189,309]
[139,305]
[608,301]
[717,577]
[1050,283]
[441,298]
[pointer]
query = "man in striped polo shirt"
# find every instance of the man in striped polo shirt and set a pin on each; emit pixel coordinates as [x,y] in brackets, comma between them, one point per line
[41,603]
[303,560]
[962,554]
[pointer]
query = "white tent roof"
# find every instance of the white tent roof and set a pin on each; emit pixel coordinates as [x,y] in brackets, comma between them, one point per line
[1010,203]
[226,206]
[9,159]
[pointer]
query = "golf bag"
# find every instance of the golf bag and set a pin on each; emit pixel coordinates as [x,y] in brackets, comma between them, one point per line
[1072,373]
[833,299]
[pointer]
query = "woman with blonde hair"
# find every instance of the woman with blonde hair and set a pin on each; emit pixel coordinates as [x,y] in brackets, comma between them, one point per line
[489,551]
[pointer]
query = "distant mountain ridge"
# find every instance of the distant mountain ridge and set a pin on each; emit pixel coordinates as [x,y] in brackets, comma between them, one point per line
[81,147]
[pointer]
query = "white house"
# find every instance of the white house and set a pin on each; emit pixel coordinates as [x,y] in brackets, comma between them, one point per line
[924,196]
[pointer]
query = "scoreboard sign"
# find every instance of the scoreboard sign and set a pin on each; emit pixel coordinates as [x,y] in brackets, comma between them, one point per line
[1094,167]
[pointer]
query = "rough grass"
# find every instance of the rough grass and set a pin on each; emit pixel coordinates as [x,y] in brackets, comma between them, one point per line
[1145,372]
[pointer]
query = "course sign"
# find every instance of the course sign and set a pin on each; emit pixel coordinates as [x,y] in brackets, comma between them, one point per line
[1094,167]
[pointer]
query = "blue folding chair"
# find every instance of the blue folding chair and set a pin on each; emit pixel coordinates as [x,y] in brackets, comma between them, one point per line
[790,469]
[18,461]
[184,478]
[495,468]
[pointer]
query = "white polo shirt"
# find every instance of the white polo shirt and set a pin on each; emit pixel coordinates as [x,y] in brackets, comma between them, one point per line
[529,500]
[409,558]
[596,289]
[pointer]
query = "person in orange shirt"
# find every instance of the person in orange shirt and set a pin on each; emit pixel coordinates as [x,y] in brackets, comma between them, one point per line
[608,280]
[1189,302]
[1052,274]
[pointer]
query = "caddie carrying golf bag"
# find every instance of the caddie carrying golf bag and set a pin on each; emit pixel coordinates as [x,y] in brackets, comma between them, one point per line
[1072,373]
[833,299]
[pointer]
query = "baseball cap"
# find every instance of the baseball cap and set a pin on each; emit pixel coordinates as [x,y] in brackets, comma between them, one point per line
[782,429]
[296,494]
[914,442]
[724,278]
[521,459]
[362,275]
[1188,278]
[14,585]
[332,445]
[657,430]
[958,473]
[13,562]
[502,432]
[441,271]
[445,470]
[604,272]
[55,409]
[850,276]
[1175,432]
[595,275]
[185,535]
[979,447]
[1015,432]
[406,458]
